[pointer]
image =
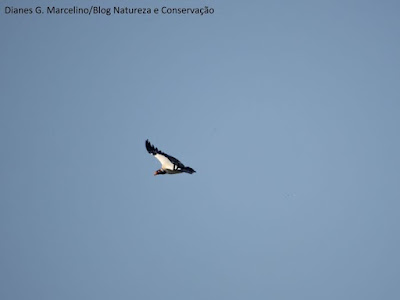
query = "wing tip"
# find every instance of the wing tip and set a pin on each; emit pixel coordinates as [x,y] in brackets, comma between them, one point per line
[150,148]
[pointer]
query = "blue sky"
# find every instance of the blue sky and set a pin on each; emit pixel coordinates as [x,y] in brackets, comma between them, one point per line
[289,112]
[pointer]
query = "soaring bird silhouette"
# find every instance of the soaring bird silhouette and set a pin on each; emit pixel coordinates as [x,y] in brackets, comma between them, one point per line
[169,164]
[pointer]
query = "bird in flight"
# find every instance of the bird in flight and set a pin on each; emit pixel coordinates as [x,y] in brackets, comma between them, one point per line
[169,164]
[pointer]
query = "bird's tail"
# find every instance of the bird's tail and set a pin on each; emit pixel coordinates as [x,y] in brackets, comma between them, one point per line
[188,170]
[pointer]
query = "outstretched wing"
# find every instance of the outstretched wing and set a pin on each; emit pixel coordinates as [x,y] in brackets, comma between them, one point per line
[167,161]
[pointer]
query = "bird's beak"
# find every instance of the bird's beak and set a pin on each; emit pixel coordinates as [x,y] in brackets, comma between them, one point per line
[155,173]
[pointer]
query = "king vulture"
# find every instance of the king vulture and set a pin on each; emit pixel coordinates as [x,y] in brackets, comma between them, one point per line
[169,164]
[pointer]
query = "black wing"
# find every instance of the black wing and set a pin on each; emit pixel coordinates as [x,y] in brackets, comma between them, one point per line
[153,150]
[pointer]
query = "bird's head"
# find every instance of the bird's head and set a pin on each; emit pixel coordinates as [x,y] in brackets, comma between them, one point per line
[159,172]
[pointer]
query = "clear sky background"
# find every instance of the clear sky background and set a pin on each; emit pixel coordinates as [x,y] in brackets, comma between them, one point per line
[289,111]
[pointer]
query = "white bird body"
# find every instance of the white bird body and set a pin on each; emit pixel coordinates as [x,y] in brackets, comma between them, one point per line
[165,162]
